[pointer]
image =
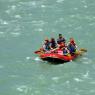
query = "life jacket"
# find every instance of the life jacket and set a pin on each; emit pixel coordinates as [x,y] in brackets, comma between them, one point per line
[65,52]
[46,46]
[61,40]
[71,48]
[73,42]
[53,44]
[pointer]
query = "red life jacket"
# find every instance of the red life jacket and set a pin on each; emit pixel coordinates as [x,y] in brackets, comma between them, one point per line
[73,42]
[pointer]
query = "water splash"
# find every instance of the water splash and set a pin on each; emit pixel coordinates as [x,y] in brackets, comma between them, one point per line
[37,59]
[28,58]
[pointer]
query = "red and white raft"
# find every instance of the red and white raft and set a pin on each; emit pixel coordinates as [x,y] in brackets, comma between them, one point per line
[54,57]
[58,57]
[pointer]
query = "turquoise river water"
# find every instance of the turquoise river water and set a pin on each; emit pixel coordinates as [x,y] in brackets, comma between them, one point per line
[23,26]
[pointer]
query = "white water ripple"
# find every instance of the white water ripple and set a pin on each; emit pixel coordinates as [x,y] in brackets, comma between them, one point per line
[60,1]
[78,80]
[15,34]
[18,16]
[56,79]
[1,33]
[22,88]
[10,9]
[86,60]
[3,22]
[86,75]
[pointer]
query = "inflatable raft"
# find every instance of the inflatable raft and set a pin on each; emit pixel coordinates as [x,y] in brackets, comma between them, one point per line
[58,57]
[55,57]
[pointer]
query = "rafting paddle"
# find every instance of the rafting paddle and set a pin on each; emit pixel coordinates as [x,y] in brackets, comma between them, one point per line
[38,51]
[83,50]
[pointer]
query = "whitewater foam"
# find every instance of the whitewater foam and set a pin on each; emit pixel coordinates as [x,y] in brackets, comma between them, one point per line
[37,59]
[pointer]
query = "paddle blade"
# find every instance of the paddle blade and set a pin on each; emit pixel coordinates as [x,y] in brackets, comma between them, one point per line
[38,51]
[83,50]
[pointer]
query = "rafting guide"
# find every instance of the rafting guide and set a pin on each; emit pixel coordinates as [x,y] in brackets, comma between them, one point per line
[61,39]
[59,50]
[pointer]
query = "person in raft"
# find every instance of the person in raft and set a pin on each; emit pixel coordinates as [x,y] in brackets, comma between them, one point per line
[61,39]
[73,42]
[65,51]
[72,46]
[46,45]
[53,43]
